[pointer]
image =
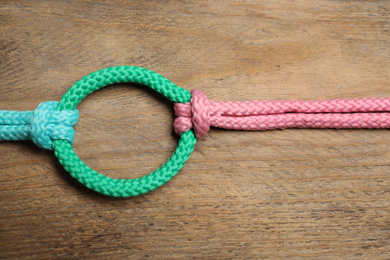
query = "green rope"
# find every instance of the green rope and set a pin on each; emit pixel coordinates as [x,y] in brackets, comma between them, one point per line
[122,74]
[123,187]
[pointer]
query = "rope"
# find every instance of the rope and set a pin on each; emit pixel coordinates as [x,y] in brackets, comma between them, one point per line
[122,74]
[50,126]
[42,126]
[123,187]
[201,113]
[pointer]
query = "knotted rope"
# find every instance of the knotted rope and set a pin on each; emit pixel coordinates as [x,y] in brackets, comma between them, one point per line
[42,126]
[202,113]
[50,126]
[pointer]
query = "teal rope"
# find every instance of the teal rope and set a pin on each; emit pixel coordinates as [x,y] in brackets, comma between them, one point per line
[123,187]
[9,117]
[42,125]
[14,125]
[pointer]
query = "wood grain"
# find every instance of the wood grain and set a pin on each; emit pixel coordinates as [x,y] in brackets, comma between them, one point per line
[316,194]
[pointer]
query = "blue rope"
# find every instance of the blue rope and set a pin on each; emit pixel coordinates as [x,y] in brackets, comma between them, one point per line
[42,126]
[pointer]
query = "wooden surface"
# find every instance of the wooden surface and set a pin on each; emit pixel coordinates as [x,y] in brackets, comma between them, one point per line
[316,194]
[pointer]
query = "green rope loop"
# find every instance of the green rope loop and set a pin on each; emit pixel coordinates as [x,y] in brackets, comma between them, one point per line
[123,187]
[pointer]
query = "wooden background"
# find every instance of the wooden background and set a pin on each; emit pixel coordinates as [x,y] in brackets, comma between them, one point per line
[297,193]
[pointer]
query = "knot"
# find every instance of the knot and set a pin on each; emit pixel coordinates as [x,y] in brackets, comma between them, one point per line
[47,124]
[195,114]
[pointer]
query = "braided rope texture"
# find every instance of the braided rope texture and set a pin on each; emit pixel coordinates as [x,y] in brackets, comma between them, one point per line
[123,187]
[122,74]
[14,125]
[42,125]
[202,113]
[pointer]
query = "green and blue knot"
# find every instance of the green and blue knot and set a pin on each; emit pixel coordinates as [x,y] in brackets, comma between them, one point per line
[42,126]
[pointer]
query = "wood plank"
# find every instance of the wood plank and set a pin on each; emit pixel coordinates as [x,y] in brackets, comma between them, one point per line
[296,193]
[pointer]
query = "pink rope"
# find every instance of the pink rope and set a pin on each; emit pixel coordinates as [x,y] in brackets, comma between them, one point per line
[202,113]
